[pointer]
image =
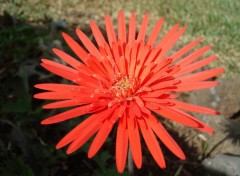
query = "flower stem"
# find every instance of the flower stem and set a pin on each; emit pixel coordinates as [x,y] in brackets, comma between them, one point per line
[130,163]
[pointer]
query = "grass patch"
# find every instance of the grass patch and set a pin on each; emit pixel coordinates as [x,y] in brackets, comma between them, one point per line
[216,21]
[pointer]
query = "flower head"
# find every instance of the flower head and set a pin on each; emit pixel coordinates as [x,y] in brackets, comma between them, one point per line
[121,83]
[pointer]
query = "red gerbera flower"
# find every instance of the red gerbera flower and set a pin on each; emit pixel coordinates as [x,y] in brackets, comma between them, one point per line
[122,82]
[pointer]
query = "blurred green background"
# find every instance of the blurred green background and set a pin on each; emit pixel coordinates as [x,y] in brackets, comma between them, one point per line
[28,31]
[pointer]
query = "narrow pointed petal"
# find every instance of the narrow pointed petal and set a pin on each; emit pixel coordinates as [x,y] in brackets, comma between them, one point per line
[177,116]
[122,109]
[155,52]
[202,127]
[193,56]
[54,95]
[110,30]
[167,36]
[121,147]
[82,138]
[56,87]
[88,44]
[142,56]
[62,104]
[121,27]
[59,69]
[165,84]
[193,108]
[164,136]
[136,110]
[135,146]
[143,28]
[132,28]
[169,44]
[157,100]
[131,119]
[66,115]
[183,118]
[154,34]
[100,138]
[77,49]
[97,34]
[201,75]
[122,65]
[74,133]
[67,58]
[195,86]
[153,146]
[185,49]
[196,65]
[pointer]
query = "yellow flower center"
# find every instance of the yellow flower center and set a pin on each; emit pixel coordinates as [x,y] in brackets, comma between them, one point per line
[124,86]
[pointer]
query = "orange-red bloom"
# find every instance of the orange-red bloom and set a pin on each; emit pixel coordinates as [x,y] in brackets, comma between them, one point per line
[122,82]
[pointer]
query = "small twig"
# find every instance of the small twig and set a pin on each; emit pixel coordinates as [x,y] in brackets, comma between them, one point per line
[130,163]
[215,146]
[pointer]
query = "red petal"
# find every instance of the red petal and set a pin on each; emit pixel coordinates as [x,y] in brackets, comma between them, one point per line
[62,104]
[131,120]
[154,53]
[87,81]
[122,65]
[156,100]
[85,135]
[185,49]
[97,34]
[132,28]
[88,44]
[193,56]
[135,146]
[74,133]
[97,67]
[67,115]
[142,56]
[122,109]
[108,67]
[165,84]
[121,27]
[169,44]
[135,109]
[183,118]
[121,147]
[195,66]
[138,101]
[154,34]
[203,75]
[110,30]
[54,95]
[77,49]
[116,53]
[67,58]
[56,87]
[193,108]
[143,28]
[60,70]
[195,86]
[167,36]
[166,139]
[100,138]
[176,115]
[132,65]
[153,146]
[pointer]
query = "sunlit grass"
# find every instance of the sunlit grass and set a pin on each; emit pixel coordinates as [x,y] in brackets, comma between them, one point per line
[216,21]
